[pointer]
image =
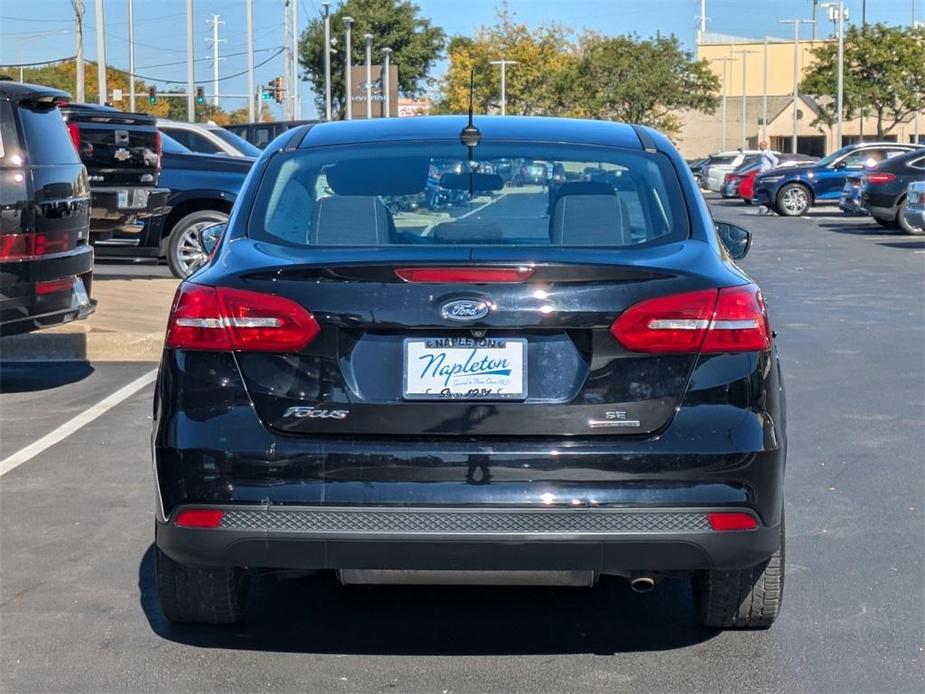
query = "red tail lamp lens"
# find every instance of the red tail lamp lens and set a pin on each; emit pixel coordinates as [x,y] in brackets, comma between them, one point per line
[223,319]
[54,286]
[73,129]
[732,520]
[733,319]
[462,275]
[880,178]
[200,518]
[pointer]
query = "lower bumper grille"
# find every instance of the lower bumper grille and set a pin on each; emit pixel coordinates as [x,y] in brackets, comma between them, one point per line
[456,522]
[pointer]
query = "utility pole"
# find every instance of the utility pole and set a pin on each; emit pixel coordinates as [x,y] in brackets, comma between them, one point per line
[101,52]
[131,55]
[838,13]
[725,62]
[190,76]
[215,41]
[503,63]
[369,74]
[764,95]
[251,83]
[287,61]
[326,4]
[702,20]
[387,80]
[744,53]
[796,71]
[78,6]
[348,70]
[294,92]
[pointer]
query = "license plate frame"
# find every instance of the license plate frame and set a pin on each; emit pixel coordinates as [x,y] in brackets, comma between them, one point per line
[470,384]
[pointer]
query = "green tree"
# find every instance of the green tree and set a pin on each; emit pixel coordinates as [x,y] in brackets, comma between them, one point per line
[884,75]
[536,84]
[648,81]
[416,45]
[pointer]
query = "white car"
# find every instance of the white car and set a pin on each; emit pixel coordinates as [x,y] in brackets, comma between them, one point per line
[726,162]
[207,138]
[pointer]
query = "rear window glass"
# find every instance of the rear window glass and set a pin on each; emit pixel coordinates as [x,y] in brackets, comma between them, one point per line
[506,194]
[722,161]
[46,137]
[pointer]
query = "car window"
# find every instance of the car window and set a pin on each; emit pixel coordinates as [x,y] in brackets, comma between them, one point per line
[8,139]
[193,141]
[262,135]
[46,137]
[722,161]
[239,143]
[433,194]
[171,146]
[917,163]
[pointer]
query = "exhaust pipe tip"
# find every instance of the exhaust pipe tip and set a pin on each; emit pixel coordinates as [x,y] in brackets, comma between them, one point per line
[642,584]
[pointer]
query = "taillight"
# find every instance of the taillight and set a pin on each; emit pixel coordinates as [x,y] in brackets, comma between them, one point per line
[27,246]
[73,129]
[200,518]
[464,275]
[733,319]
[54,286]
[732,520]
[223,319]
[157,147]
[880,177]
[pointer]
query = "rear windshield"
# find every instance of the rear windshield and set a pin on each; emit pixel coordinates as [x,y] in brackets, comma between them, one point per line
[239,143]
[46,136]
[433,193]
[722,161]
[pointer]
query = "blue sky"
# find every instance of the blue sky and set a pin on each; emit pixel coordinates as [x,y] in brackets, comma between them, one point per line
[43,29]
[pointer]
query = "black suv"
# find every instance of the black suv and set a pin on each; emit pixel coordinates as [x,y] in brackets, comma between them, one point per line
[46,262]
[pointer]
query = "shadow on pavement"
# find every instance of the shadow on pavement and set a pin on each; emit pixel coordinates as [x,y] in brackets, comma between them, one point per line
[29,377]
[910,244]
[318,615]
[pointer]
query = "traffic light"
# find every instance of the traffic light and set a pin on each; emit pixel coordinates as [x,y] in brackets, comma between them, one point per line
[200,96]
[152,95]
[278,89]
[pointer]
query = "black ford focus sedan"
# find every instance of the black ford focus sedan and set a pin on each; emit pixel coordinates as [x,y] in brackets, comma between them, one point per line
[543,383]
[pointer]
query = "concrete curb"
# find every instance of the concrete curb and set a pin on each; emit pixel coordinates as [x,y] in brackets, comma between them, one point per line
[82,346]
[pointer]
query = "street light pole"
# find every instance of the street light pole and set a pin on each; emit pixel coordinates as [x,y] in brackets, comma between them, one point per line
[503,63]
[369,74]
[190,75]
[837,13]
[101,52]
[724,61]
[796,72]
[131,55]
[79,40]
[327,59]
[387,80]
[744,54]
[764,95]
[348,70]
[251,81]
[295,90]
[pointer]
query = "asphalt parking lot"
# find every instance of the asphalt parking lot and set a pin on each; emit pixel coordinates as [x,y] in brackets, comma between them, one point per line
[78,609]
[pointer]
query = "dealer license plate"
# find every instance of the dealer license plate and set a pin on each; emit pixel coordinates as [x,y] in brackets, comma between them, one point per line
[465,368]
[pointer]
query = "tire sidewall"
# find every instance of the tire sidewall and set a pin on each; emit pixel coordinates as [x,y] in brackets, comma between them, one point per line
[783,211]
[184,223]
[903,225]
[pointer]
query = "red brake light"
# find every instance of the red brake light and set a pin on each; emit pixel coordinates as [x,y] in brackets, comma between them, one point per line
[223,319]
[200,518]
[733,319]
[54,286]
[880,177]
[732,520]
[26,246]
[462,275]
[73,129]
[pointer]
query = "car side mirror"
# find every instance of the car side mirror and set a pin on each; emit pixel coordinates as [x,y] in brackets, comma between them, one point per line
[840,165]
[210,236]
[736,239]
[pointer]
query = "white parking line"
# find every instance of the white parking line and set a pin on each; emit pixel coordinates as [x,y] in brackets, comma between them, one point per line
[62,432]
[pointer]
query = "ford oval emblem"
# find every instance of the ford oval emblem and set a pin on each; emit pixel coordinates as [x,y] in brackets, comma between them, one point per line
[464,310]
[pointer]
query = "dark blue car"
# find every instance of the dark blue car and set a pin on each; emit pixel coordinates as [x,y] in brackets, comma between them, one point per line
[203,188]
[792,191]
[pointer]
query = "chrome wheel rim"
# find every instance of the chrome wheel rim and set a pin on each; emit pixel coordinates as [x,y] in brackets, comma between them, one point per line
[189,254]
[795,200]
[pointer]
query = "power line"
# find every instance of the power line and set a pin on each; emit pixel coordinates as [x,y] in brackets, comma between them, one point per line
[206,60]
[222,79]
[41,62]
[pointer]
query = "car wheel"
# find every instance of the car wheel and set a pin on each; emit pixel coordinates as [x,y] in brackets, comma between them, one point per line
[745,599]
[189,595]
[185,253]
[886,223]
[747,201]
[793,200]
[904,223]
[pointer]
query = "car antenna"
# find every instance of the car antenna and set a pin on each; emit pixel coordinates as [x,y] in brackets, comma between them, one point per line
[470,136]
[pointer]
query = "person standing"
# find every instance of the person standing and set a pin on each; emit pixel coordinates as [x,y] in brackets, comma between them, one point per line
[769,160]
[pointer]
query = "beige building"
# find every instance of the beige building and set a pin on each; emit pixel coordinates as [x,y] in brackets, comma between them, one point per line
[764,71]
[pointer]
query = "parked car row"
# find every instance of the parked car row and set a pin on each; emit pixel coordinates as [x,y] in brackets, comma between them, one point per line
[875,178]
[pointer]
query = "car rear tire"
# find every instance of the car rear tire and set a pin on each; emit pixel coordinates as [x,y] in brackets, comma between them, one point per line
[200,596]
[886,223]
[904,224]
[185,253]
[745,599]
[793,200]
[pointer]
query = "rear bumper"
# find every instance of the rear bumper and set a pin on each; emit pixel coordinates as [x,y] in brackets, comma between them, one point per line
[604,540]
[119,208]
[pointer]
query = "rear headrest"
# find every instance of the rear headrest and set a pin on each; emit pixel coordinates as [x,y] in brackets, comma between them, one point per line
[590,220]
[351,220]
